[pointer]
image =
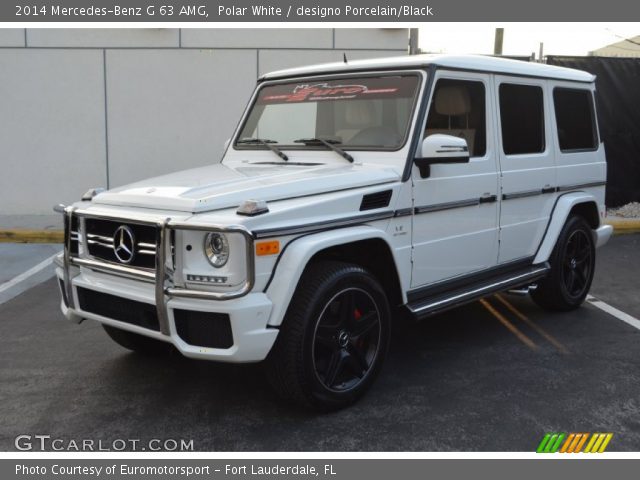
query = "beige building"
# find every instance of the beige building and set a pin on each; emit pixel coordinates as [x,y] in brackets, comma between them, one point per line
[624,48]
[103,107]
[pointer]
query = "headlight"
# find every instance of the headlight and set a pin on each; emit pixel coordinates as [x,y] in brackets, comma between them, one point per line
[216,248]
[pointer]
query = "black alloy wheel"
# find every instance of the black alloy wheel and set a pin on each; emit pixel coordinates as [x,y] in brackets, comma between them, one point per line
[577,263]
[346,339]
[333,339]
[572,267]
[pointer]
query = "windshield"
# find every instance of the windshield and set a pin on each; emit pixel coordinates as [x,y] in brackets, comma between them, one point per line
[369,112]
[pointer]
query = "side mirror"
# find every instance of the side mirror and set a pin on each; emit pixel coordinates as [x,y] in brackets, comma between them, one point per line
[227,142]
[441,148]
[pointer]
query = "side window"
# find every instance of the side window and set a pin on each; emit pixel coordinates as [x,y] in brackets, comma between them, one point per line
[458,108]
[522,119]
[575,119]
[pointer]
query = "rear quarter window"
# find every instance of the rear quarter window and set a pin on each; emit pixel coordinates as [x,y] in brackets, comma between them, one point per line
[575,119]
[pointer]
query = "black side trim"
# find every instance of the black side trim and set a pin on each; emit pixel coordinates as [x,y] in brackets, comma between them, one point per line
[470,202]
[447,205]
[372,201]
[565,188]
[529,193]
[403,212]
[320,226]
[523,194]
[443,286]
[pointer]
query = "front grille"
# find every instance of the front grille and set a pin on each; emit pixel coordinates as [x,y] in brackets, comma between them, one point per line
[118,308]
[101,239]
[204,329]
[73,232]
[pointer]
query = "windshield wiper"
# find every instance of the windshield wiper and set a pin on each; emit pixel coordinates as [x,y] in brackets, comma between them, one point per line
[327,143]
[267,143]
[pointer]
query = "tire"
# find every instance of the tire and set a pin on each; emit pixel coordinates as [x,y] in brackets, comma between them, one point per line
[333,339]
[137,343]
[572,266]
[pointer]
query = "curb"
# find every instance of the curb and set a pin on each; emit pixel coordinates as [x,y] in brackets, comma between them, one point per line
[31,236]
[620,227]
[623,226]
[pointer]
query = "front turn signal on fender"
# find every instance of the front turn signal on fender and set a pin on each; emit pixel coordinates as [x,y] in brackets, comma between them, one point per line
[271,247]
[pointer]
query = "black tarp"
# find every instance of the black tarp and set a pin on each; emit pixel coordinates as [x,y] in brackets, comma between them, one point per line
[618,103]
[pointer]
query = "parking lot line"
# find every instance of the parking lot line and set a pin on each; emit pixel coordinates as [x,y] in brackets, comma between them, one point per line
[510,326]
[619,314]
[25,275]
[561,348]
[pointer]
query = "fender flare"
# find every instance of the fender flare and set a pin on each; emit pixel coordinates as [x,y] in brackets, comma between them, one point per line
[559,216]
[297,254]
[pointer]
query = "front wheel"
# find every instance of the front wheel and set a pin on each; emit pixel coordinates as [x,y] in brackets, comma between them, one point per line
[572,267]
[333,339]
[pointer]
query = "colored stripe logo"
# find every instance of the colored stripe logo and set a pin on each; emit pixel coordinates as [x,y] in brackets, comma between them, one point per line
[574,442]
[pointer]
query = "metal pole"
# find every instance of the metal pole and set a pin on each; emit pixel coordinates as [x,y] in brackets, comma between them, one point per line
[497,45]
[541,59]
[413,41]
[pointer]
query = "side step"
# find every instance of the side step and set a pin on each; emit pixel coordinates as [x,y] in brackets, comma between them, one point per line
[430,305]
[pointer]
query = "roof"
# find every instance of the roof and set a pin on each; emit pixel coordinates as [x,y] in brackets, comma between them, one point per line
[466,62]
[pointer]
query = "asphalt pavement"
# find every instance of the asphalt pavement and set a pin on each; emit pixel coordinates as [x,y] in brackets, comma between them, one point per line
[491,376]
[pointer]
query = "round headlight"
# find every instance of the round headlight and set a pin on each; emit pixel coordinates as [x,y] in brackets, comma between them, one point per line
[216,248]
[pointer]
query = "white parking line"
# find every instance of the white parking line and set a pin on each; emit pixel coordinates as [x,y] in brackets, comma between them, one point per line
[23,276]
[619,314]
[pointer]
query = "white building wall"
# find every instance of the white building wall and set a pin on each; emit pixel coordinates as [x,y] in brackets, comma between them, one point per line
[85,108]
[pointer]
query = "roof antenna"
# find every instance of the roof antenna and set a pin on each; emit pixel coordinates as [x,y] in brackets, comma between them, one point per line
[344,57]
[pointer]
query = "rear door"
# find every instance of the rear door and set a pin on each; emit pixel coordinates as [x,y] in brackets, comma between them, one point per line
[527,164]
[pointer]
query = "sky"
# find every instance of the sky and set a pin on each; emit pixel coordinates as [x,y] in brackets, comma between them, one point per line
[523,38]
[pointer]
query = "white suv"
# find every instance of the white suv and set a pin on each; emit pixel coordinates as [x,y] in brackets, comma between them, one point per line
[348,193]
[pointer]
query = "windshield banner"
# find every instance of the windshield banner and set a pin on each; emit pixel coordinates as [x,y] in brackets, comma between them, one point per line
[351,89]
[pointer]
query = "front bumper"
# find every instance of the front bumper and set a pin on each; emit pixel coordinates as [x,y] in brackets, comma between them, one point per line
[248,316]
[172,313]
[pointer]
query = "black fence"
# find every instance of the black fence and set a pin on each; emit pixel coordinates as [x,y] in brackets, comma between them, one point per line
[618,99]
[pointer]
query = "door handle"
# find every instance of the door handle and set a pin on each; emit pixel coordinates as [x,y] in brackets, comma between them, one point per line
[548,189]
[488,198]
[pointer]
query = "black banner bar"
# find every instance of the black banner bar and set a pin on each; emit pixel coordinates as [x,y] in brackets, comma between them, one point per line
[316,11]
[370,469]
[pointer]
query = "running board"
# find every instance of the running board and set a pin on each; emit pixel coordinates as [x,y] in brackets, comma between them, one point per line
[428,306]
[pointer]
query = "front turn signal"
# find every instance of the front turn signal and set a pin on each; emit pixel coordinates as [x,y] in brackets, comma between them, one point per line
[271,247]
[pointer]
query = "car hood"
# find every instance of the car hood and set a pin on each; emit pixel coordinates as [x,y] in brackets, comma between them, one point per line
[221,186]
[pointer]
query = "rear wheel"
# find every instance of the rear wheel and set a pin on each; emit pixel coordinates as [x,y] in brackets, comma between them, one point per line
[572,267]
[333,339]
[137,343]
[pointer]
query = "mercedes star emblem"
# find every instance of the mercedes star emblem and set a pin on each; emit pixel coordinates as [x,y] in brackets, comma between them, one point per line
[124,244]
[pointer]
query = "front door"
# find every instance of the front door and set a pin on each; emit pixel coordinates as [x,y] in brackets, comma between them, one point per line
[455,227]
